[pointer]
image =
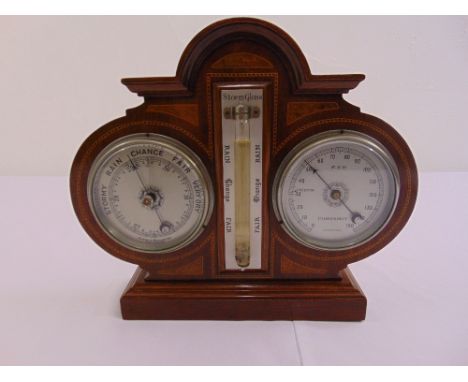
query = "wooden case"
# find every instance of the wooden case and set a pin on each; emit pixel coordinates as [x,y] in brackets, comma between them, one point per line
[253,54]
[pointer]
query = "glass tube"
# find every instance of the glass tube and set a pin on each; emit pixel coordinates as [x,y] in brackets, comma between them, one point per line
[242,186]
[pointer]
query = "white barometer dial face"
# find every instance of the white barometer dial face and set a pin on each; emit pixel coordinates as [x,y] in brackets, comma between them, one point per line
[150,193]
[336,190]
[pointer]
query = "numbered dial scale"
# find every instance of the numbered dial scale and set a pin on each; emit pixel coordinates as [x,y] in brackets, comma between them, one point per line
[150,193]
[336,190]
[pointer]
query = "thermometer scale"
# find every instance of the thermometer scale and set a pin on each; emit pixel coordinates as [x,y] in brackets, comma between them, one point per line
[336,190]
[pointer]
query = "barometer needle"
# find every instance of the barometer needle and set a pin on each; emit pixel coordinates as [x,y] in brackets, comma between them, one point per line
[156,209]
[166,226]
[138,174]
[354,215]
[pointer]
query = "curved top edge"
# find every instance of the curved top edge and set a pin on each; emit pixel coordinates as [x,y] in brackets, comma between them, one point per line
[222,32]
[227,29]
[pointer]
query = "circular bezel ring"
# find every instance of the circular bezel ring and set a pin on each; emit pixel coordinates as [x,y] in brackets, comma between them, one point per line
[311,143]
[188,155]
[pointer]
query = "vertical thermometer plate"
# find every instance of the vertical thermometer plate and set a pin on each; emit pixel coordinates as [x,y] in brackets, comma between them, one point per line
[242,131]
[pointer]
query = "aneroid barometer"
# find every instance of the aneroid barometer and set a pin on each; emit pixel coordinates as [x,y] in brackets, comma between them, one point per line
[243,186]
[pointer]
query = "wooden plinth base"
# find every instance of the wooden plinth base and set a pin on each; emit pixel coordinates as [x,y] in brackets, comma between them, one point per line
[323,300]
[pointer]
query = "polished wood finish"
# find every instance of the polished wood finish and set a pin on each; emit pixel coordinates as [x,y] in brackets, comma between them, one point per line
[333,300]
[253,54]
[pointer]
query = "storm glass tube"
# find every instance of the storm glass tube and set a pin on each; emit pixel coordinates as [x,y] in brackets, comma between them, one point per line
[242,186]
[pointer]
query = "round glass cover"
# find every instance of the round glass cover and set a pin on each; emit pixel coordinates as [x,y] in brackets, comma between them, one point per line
[336,190]
[150,193]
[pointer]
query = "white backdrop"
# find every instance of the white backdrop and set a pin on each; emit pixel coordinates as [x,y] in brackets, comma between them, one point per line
[60,78]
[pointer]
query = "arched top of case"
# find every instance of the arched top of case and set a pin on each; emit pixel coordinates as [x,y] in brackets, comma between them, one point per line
[223,32]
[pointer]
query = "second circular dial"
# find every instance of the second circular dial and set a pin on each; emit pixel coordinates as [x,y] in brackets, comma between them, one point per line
[336,190]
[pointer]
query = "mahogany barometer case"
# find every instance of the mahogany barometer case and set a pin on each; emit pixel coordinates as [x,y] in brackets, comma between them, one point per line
[243,186]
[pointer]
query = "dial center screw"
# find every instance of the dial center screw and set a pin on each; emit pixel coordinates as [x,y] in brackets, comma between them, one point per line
[151,198]
[335,194]
[148,200]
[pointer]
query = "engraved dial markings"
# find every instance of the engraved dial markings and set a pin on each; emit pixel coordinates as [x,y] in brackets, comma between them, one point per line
[336,192]
[150,193]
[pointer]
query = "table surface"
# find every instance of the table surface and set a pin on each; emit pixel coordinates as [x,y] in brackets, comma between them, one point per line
[59,295]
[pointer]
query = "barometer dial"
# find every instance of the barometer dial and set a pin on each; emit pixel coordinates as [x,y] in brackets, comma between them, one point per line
[150,193]
[336,190]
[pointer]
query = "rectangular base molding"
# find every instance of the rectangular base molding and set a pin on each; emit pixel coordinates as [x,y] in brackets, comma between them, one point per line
[318,300]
